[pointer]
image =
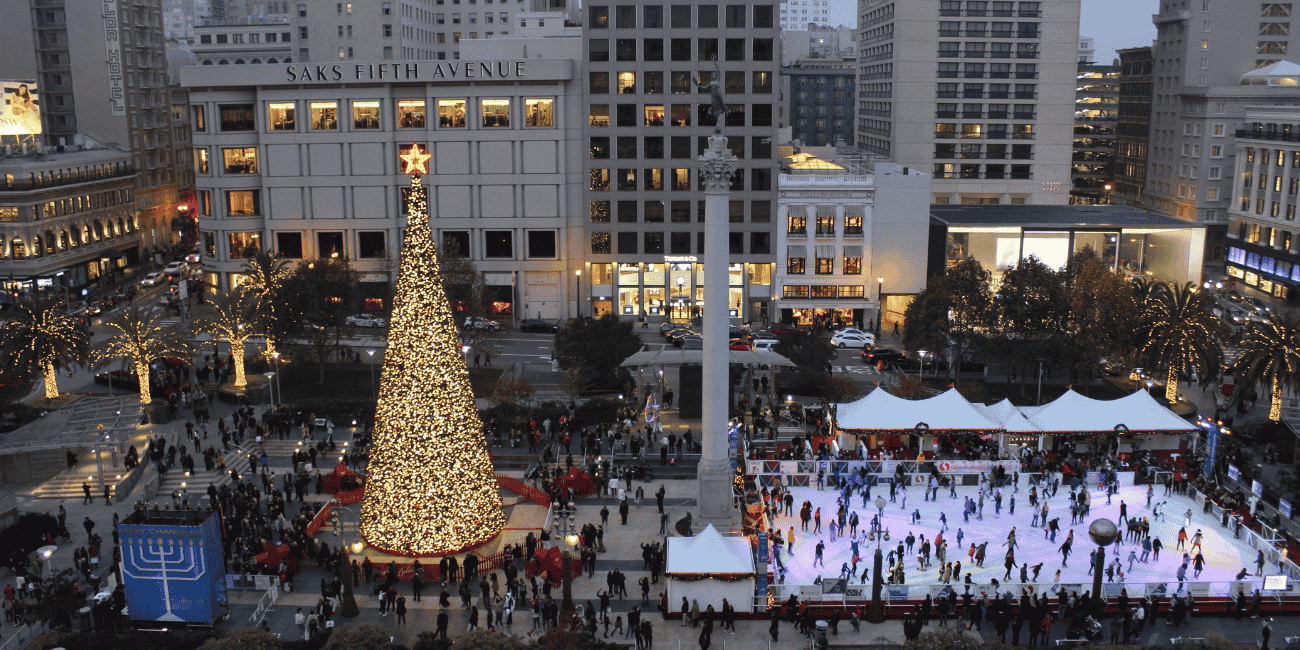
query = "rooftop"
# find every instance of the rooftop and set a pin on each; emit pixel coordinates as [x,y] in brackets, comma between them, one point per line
[1054,217]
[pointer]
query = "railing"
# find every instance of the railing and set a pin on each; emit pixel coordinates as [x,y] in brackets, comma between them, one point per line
[24,635]
[1268,135]
[263,604]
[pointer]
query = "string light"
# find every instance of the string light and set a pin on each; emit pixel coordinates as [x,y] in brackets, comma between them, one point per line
[236,311]
[1270,354]
[430,488]
[39,335]
[1181,333]
[140,338]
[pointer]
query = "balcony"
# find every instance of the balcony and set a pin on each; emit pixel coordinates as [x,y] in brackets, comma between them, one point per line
[1000,75]
[1026,75]
[1022,136]
[973,74]
[1002,33]
[945,135]
[972,94]
[1171,16]
[1030,13]
[999,94]
[1026,95]
[949,33]
[975,33]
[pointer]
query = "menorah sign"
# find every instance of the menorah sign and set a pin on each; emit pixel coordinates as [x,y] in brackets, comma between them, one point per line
[172,566]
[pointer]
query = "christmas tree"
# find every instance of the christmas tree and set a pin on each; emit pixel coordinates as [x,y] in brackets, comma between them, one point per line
[430,487]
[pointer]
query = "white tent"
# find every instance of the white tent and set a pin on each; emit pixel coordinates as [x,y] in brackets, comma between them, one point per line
[881,411]
[1006,415]
[708,568]
[1137,412]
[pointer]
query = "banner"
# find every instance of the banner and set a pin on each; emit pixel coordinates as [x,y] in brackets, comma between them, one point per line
[1211,448]
[760,577]
[1111,591]
[1234,473]
[21,112]
[897,592]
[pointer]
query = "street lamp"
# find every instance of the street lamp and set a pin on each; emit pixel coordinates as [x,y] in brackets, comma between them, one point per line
[921,372]
[348,607]
[577,295]
[566,604]
[880,299]
[269,388]
[275,358]
[1103,532]
[877,613]
[371,353]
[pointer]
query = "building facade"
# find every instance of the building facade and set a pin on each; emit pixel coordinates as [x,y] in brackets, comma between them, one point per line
[1096,112]
[306,166]
[848,235]
[1087,49]
[820,97]
[67,218]
[799,14]
[810,42]
[647,123]
[998,79]
[1263,242]
[1133,126]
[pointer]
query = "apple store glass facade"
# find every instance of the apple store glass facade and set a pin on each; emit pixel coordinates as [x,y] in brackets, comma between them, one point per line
[1128,252]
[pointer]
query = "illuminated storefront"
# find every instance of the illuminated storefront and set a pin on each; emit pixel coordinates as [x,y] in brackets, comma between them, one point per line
[674,289]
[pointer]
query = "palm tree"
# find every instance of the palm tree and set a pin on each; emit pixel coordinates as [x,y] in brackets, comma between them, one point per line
[1181,333]
[264,276]
[38,334]
[140,338]
[236,313]
[1271,354]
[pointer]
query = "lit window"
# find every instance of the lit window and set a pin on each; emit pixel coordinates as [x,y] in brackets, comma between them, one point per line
[365,114]
[242,160]
[201,160]
[242,203]
[410,114]
[280,116]
[324,116]
[496,113]
[539,112]
[451,113]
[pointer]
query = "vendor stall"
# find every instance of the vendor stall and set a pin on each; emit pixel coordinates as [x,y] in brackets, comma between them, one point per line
[709,567]
[886,423]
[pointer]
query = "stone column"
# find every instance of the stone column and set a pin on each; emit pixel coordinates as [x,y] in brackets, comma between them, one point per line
[715,503]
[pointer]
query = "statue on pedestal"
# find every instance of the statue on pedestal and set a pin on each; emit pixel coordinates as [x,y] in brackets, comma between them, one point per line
[719,108]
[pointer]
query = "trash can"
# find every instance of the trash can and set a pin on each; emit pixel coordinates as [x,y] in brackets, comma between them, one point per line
[82,621]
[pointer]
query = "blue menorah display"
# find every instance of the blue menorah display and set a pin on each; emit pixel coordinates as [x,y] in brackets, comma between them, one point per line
[173,566]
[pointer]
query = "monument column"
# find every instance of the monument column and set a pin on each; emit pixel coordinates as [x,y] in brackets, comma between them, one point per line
[715,478]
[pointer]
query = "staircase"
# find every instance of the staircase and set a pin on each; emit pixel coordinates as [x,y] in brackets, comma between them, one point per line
[197,482]
[67,484]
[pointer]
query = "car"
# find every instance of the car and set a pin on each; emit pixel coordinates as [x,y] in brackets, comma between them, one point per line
[151,279]
[192,257]
[763,335]
[858,340]
[365,320]
[667,332]
[851,330]
[668,325]
[781,329]
[765,345]
[176,267]
[740,344]
[482,324]
[681,341]
[873,356]
[674,335]
[535,325]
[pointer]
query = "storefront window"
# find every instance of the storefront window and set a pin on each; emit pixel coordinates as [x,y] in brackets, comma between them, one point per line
[760,274]
[629,301]
[794,291]
[735,274]
[654,300]
[496,113]
[451,113]
[602,273]
[654,275]
[410,114]
[365,114]
[280,116]
[244,242]
[324,116]
[539,112]
[629,275]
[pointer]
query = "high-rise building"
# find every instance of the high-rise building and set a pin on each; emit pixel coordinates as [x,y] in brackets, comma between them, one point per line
[798,14]
[1132,130]
[180,17]
[647,122]
[102,71]
[998,79]
[1202,50]
[1096,107]
[819,94]
[807,42]
[1263,245]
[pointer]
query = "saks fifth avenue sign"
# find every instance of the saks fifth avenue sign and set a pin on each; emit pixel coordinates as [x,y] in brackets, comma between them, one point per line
[411,71]
[385,72]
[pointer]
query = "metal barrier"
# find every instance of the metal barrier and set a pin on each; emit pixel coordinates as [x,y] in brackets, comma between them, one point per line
[24,635]
[263,605]
[252,582]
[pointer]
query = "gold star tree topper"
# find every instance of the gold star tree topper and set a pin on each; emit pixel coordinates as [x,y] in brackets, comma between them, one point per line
[416,161]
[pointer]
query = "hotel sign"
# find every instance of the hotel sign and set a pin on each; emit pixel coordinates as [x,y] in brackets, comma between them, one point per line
[326,74]
[113,52]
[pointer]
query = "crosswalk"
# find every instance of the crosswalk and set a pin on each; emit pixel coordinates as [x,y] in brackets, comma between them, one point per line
[856,370]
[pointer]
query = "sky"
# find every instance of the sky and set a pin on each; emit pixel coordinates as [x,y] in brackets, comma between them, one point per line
[1117,24]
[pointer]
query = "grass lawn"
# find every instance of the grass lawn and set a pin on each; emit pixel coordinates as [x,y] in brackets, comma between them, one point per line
[353,381]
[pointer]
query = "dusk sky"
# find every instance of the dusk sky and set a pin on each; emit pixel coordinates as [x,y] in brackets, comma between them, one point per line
[1117,24]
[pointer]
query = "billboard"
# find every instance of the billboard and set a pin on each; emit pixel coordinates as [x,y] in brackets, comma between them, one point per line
[22,110]
[173,566]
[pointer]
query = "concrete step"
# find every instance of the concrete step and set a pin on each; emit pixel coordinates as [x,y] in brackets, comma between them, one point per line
[67,484]
[197,482]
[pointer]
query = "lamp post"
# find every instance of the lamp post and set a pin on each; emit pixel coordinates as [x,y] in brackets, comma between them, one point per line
[577,293]
[880,299]
[1040,380]
[566,605]
[1103,532]
[275,358]
[921,371]
[269,388]
[877,613]
[348,607]
[371,353]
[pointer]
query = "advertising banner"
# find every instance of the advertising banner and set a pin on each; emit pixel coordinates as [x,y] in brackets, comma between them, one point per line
[1211,447]
[21,114]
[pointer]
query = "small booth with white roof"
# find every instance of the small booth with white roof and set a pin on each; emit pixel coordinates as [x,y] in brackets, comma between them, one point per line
[709,567]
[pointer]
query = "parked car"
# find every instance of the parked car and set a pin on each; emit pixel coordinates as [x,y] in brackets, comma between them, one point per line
[852,330]
[192,257]
[693,343]
[667,329]
[765,345]
[853,340]
[151,279]
[782,328]
[365,320]
[673,335]
[481,324]
[763,335]
[535,325]
[668,325]
[740,344]
[680,341]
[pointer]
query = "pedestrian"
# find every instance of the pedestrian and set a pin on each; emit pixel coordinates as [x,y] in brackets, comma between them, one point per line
[401,610]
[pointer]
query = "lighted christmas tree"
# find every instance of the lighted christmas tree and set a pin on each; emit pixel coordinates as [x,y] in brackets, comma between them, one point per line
[430,487]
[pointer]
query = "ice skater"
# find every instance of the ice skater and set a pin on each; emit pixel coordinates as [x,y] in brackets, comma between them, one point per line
[943,519]
[1196,540]
[1182,538]
[818,559]
[1065,549]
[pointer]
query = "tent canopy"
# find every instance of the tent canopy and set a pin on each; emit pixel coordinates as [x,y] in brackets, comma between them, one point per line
[1137,412]
[1006,415]
[710,552]
[676,357]
[881,411]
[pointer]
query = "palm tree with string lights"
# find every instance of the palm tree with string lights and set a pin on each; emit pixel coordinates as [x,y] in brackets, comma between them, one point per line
[1180,333]
[264,274]
[140,338]
[38,335]
[1270,354]
[233,322]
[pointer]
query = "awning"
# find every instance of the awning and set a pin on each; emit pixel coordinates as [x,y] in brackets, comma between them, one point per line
[855,211]
[825,251]
[798,251]
[853,251]
[797,210]
[882,411]
[825,210]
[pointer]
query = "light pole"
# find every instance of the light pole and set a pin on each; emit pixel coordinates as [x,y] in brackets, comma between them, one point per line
[921,371]
[270,388]
[1040,381]
[371,353]
[1103,532]
[577,294]
[348,608]
[275,358]
[877,613]
[880,299]
[566,604]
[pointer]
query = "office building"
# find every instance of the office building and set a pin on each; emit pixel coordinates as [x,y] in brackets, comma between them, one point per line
[119,97]
[180,17]
[67,217]
[647,123]
[809,42]
[1133,127]
[308,167]
[1087,49]
[980,93]
[1202,49]
[799,14]
[1096,108]
[820,97]
[848,231]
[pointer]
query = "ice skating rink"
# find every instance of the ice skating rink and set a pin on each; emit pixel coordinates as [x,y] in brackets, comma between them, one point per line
[1224,555]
